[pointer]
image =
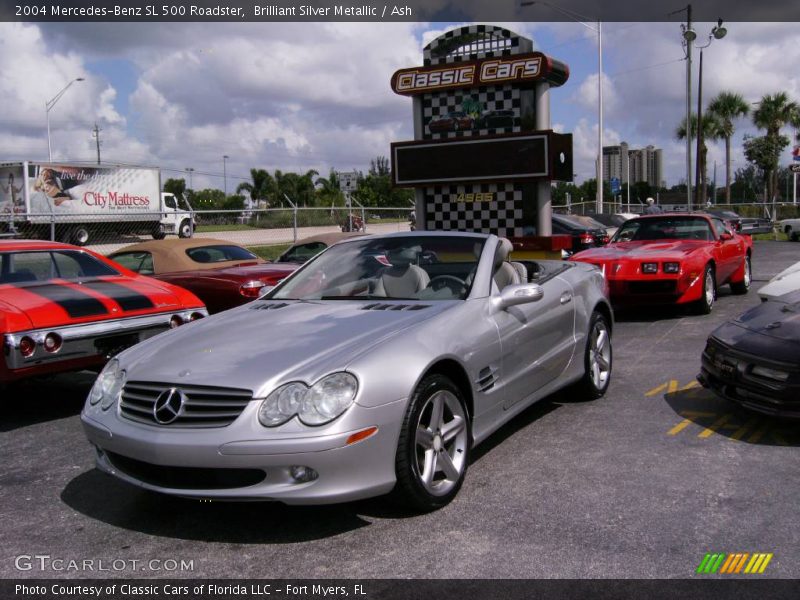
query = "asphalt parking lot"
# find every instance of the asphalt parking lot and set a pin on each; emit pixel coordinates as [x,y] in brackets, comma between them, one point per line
[639,484]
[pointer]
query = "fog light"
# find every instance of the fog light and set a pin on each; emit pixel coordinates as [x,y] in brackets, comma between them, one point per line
[52,342]
[27,346]
[303,474]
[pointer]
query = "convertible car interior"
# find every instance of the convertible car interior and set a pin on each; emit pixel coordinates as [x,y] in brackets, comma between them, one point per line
[411,269]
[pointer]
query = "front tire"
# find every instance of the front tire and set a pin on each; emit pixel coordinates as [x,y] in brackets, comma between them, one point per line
[80,235]
[185,229]
[597,359]
[742,286]
[706,303]
[433,449]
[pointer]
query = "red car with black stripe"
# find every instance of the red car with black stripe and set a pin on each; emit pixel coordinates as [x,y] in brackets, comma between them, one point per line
[673,259]
[64,308]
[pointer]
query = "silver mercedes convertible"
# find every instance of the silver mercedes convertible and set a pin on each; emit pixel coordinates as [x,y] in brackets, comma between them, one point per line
[375,368]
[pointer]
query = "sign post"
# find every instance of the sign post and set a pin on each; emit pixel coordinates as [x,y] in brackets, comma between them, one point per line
[795,169]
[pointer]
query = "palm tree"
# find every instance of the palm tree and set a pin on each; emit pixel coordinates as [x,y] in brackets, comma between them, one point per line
[262,187]
[712,130]
[728,106]
[773,113]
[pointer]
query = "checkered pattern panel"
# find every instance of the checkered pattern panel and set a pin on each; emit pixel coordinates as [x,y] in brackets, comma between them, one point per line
[491,99]
[501,216]
[483,41]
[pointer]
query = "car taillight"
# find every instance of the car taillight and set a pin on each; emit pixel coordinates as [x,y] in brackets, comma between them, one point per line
[27,346]
[587,238]
[175,321]
[251,289]
[52,342]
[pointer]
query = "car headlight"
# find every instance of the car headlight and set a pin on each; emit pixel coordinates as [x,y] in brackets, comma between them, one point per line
[317,405]
[672,267]
[649,267]
[770,373]
[108,386]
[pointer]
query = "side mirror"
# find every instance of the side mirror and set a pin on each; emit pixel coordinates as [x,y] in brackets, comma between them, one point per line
[724,237]
[524,293]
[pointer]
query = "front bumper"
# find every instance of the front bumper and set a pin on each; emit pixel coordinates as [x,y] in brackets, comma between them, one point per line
[656,289]
[729,374]
[245,461]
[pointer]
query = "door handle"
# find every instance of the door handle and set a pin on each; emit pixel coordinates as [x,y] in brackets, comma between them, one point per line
[565,297]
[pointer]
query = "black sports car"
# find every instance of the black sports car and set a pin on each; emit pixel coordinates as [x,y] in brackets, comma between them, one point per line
[754,359]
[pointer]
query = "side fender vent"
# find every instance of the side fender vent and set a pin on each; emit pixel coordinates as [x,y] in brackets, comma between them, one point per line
[486,378]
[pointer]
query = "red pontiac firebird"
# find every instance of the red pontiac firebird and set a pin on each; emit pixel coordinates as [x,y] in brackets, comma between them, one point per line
[673,259]
[64,308]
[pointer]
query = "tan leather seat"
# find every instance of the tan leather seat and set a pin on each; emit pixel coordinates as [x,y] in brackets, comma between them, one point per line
[403,279]
[505,272]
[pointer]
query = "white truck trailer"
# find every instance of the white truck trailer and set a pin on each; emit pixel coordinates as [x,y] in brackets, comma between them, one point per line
[76,203]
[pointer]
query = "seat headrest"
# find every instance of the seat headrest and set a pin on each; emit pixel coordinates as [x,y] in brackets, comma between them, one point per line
[402,257]
[504,248]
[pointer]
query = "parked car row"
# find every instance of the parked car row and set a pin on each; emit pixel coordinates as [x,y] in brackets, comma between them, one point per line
[396,353]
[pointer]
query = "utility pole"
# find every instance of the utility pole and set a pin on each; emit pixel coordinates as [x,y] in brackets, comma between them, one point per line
[225,158]
[96,133]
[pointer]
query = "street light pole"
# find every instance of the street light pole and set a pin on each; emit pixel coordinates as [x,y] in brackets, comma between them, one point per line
[717,33]
[598,29]
[225,157]
[599,207]
[49,105]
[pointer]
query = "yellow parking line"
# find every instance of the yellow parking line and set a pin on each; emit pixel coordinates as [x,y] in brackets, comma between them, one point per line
[679,427]
[714,426]
[737,435]
[758,434]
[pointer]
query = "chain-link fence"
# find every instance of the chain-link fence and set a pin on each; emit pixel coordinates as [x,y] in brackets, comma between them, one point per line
[252,228]
[773,212]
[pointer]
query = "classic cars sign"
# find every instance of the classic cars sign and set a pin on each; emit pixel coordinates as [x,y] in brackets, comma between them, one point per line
[520,69]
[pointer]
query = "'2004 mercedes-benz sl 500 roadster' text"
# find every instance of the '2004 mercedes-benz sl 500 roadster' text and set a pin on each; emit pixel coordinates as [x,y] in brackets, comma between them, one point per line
[375,368]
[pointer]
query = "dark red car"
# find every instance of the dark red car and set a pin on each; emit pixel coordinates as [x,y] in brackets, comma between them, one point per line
[64,308]
[673,259]
[222,274]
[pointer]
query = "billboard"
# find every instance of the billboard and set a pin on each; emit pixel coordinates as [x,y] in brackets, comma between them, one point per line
[70,189]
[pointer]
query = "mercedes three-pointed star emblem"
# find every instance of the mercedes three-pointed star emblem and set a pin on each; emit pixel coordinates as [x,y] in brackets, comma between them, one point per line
[169,406]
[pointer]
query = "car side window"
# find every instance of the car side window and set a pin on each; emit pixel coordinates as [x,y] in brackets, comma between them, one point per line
[303,252]
[138,262]
[719,226]
[31,266]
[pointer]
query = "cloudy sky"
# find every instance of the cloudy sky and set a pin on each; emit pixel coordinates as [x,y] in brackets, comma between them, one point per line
[302,96]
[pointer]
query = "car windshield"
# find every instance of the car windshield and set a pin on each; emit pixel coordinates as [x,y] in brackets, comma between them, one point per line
[408,267]
[665,228]
[213,254]
[35,266]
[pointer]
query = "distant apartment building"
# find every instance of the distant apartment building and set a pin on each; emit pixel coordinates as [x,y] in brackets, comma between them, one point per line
[645,164]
